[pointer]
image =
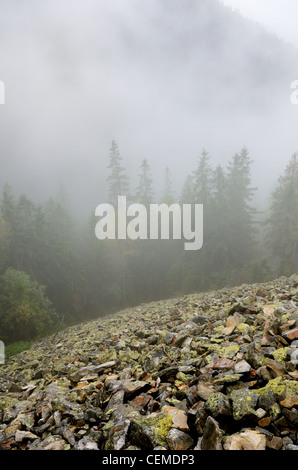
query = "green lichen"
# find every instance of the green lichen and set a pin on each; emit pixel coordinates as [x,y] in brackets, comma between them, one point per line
[285,317]
[173,401]
[218,403]
[7,402]
[274,411]
[243,328]
[108,356]
[280,355]
[181,376]
[218,328]
[151,431]
[216,339]
[280,386]
[227,379]
[228,350]
[244,401]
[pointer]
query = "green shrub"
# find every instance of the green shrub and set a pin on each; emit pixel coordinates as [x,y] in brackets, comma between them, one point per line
[25,311]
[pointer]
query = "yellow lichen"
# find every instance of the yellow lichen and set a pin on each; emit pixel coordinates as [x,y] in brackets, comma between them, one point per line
[279,386]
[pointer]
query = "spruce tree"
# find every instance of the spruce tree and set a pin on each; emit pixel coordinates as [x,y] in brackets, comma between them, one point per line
[283,220]
[168,196]
[240,213]
[118,180]
[202,180]
[144,193]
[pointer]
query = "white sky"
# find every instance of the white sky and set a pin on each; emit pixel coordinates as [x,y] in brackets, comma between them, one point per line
[277,16]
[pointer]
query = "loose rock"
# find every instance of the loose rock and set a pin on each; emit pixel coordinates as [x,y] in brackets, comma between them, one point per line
[215,370]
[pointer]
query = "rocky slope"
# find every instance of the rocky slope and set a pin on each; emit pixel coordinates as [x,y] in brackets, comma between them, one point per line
[207,371]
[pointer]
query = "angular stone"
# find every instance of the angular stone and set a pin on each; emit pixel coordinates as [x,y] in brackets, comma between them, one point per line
[291,416]
[212,435]
[264,422]
[166,374]
[291,334]
[110,378]
[205,390]
[142,400]
[290,401]
[242,367]
[199,319]
[52,442]
[276,368]
[77,375]
[23,435]
[244,402]
[275,443]
[117,435]
[218,404]
[116,399]
[223,363]
[260,413]
[179,417]
[247,440]
[278,388]
[228,378]
[169,337]
[181,337]
[85,444]
[231,324]
[150,431]
[179,440]
[131,387]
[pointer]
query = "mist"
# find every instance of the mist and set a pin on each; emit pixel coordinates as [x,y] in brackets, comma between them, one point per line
[148,226]
[164,80]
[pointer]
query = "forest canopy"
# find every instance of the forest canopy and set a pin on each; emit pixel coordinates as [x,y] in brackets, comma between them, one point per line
[54,270]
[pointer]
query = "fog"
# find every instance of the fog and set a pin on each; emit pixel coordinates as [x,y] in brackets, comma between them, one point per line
[165,79]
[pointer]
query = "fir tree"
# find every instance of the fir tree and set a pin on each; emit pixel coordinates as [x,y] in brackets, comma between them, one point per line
[240,214]
[144,193]
[118,181]
[283,221]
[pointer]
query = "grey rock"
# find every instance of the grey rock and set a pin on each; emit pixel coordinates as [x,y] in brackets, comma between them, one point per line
[242,367]
[218,404]
[179,440]
[85,444]
[212,435]
[77,375]
[244,403]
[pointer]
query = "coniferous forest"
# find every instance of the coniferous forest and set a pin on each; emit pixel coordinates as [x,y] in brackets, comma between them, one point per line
[201,101]
[55,272]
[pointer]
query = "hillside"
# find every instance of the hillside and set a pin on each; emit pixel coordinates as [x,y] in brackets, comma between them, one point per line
[209,371]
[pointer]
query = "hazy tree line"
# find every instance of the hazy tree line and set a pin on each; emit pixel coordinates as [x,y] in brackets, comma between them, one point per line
[55,272]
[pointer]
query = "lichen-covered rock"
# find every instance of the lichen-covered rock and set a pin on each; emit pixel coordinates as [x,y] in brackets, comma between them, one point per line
[85,444]
[244,402]
[280,387]
[192,372]
[117,435]
[218,404]
[151,431]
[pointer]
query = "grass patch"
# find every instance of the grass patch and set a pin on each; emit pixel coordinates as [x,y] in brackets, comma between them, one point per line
[16,348]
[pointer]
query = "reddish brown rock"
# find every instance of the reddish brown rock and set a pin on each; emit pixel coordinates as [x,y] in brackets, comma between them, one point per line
[179,417]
